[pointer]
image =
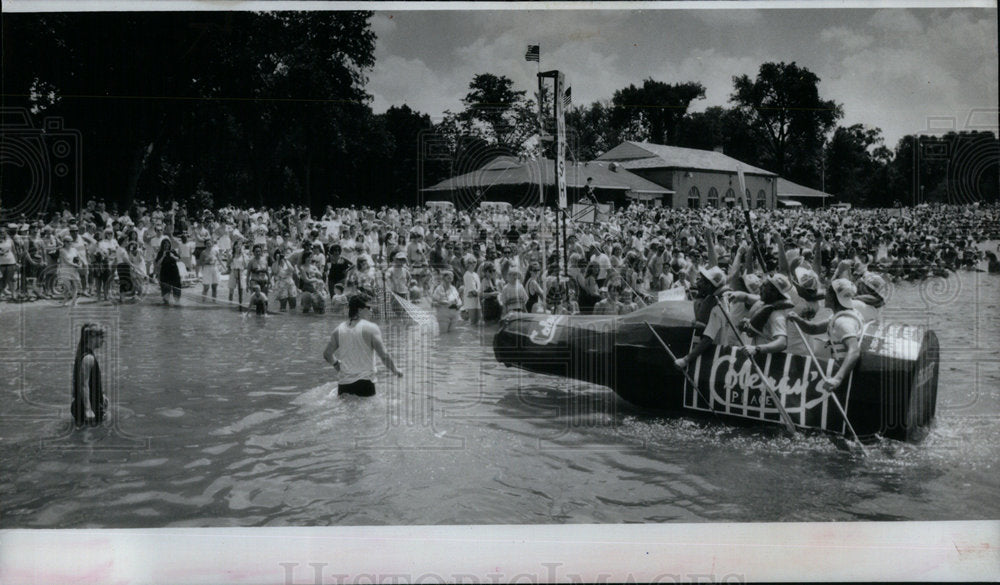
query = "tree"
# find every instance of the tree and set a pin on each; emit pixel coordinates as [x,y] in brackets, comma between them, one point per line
[853,161]
[651,113]
[498,113]
[268,107]
[401,167]
[719,127]
[955,168]
[589,131]
[787,116]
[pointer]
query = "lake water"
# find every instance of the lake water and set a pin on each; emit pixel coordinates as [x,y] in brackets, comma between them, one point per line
[227,419]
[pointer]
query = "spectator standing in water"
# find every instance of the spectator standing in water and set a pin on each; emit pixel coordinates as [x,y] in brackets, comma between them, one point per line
[89,405]
[352,350]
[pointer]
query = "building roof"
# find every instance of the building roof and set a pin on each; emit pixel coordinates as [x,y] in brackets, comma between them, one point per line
[646,155]
[508,170]
[786,188]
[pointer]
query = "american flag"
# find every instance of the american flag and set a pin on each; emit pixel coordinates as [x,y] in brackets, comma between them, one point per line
[567,97]
[534,53]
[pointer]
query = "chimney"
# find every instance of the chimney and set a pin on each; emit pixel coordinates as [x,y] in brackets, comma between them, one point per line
[613,167]
[720,149]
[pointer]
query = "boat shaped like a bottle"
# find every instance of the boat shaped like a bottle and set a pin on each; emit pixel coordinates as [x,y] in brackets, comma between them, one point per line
[891,391]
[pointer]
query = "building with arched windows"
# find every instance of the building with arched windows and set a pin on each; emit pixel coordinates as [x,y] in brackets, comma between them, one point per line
[697,178]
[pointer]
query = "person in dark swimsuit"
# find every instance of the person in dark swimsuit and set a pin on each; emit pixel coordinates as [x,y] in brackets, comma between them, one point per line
[89,404]
[169,274]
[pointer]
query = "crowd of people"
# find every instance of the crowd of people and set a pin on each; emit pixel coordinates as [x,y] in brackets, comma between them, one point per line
[474,265]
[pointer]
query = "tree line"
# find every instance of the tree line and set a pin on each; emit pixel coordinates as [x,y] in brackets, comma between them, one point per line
[271,108]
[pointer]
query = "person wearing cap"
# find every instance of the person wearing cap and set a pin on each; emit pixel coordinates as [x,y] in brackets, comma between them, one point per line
[767,319]
[870,298]
[709,316]
[352,350]
[843,329]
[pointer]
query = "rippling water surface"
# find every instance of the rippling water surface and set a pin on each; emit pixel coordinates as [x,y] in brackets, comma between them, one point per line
[224,419]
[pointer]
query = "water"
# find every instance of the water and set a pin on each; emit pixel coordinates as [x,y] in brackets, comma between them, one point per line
[223,419]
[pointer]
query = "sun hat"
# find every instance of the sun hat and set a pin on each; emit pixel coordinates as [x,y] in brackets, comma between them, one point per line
[806,278]
[845,291]
[714,275]
[752,283]
[781,283]
[875,283]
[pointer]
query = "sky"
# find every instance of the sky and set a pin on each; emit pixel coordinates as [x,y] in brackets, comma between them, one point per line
[905,71]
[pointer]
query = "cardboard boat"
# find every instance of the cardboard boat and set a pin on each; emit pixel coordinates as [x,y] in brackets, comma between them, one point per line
[891,392]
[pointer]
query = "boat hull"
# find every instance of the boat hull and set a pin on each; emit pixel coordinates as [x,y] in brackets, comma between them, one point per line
[891,392]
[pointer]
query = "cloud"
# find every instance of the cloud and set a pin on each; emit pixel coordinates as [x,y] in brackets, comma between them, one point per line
[849,39]
[914,70]
[892,68]
[896,21]
[383,24]
[395,81]
[729,17]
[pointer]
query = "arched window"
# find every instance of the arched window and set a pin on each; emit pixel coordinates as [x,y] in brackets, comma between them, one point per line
[730,198]
[749,199]
[761,199]
[713,197]
[694,198]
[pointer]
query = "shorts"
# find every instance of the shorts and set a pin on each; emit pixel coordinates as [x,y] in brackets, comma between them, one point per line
[359,388]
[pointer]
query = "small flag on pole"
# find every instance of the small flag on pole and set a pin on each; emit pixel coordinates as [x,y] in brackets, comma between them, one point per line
[533,54]
[567,98]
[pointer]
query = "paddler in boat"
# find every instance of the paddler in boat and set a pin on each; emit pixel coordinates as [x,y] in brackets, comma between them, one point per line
[709,319]
[872,292]
[807,294]
[766,322]
[843,328]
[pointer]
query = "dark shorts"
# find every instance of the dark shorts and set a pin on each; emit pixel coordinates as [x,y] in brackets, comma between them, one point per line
[359,388]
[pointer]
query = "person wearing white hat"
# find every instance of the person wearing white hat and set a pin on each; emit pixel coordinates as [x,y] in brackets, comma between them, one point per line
[844,329]
[872,291]
[767,317]
[710,284]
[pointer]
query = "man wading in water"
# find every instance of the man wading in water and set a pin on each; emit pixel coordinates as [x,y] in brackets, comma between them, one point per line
[356,341]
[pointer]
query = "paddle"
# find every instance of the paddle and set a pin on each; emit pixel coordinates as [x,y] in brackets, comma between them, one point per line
[787,420]
[746,216]
[673,360]
[836,401]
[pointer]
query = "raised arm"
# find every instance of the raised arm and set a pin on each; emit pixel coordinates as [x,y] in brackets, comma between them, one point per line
[783,258]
